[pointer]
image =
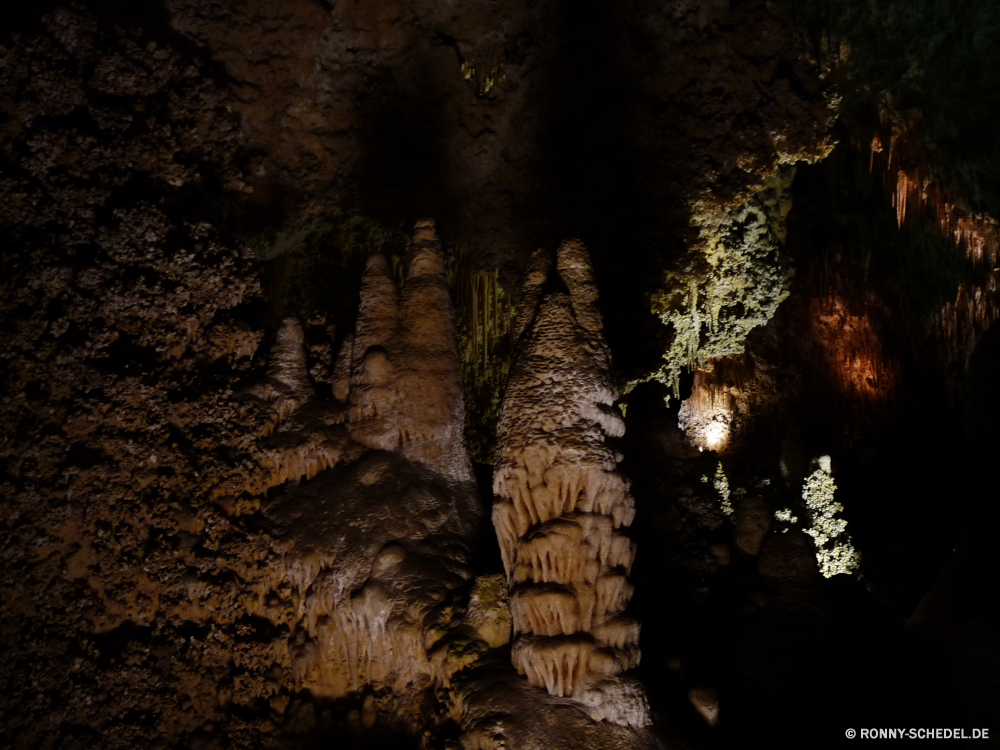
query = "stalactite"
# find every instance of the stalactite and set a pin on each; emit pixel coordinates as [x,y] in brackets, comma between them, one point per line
[908,181]
[561,506]
[961,323]
[713,414]
[907,178]
[864,374]
[738,277]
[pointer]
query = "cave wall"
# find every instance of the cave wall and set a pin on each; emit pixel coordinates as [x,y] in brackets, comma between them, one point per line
[219,532]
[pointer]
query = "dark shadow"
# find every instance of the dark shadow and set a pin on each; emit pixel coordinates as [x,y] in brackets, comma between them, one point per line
[402,171]
[598,179]
[345,739]
[25,16]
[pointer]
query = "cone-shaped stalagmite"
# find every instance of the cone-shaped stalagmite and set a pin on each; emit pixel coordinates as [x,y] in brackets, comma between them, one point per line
[373,395]
[428,367]
[405,383]
[287,385]
[560,504]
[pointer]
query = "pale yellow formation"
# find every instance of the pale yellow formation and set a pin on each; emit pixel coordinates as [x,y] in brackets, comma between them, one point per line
[489,612]
[561,506]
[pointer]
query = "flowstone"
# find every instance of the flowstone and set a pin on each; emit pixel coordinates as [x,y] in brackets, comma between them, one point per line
[373,509]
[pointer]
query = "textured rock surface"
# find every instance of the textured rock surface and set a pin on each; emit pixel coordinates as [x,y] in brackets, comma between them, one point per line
[186,569]
[148,598]
[489,610]
[500,712]
[561,506]
[341,101]
[405,382]
[123,454]
[377,509]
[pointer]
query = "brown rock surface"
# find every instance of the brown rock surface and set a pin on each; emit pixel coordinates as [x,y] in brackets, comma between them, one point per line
[501,712]
[148,601]
[595,121]
[191,561]
[377,509]
[123,455]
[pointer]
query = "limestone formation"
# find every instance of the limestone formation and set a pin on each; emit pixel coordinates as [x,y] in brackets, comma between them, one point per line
[500,712]
[303,436]
[372,497]
[561,507]
[489,611]
[405,381]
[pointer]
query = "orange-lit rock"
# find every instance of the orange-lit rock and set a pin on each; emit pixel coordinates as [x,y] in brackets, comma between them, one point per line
[852,348]
[713,415]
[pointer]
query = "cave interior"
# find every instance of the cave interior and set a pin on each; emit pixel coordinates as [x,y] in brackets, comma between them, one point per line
[394,374]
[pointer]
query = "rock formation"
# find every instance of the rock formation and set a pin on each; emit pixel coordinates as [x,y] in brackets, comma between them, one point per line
[183,569]
[376,508]
[501,712]
[405,381]
[561,506]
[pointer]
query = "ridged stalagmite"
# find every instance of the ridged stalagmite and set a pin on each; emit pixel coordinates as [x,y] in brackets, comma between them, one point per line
[561,506]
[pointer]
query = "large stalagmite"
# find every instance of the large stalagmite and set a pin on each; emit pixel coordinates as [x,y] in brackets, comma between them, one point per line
[405,383]
[561,506]
[375,501]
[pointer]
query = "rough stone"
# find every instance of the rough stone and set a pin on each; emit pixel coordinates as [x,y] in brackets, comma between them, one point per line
[753,522]
[376,508]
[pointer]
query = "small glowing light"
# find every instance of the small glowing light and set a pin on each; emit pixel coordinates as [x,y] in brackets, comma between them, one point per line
[716,434]
[707,419]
